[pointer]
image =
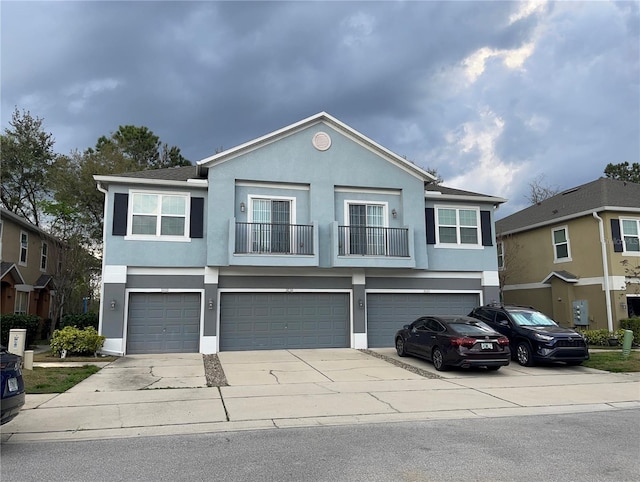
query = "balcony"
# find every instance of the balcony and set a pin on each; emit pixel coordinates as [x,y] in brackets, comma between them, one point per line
[269,244]
[362,246]
[368,241]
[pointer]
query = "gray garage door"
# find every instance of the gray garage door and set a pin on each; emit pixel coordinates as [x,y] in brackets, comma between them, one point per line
[270,321]
[163,323]
[386,313]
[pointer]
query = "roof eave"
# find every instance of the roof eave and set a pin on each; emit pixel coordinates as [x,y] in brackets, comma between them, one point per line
[197,183]
[457,197]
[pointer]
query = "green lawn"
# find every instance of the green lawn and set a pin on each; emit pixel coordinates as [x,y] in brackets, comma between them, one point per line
[54,379]
[613,361]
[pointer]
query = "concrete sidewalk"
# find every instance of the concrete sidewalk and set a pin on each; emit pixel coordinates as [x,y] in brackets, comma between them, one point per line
[293,388]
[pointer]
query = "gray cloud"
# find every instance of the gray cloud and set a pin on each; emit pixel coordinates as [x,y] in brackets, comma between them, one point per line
[437,82]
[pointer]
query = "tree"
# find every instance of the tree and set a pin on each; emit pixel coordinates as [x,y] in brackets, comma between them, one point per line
[142,147]
[539,191]
[27,156]
[623,171]
[513,262]
[76,272]
[434,172]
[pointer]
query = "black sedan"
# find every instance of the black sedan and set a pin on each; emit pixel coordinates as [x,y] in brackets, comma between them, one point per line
[454,341]
[12,385]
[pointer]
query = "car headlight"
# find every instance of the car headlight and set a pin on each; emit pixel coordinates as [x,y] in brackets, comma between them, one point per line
[542,337]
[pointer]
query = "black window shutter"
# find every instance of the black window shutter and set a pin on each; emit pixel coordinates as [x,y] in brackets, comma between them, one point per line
[615,234]
[485,226]
[120,207]
[430,216]
[196,222]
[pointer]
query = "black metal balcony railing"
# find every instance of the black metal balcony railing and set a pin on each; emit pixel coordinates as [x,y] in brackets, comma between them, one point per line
[268,238]
[373,241]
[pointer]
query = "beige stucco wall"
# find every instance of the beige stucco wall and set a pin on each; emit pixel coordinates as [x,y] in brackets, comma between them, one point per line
[529,259]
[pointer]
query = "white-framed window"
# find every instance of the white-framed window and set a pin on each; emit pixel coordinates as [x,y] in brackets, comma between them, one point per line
[630,231]
[44,255]
[22,302]
[159,215]
[500,248]
[367,222]
[24,248]
[457,226]
[270,219]
[561,245]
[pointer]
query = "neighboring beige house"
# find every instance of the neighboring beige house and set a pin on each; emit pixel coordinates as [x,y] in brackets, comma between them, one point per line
[27,261]
[573,256]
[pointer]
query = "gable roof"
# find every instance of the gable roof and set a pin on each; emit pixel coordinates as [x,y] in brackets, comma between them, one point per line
[325,118]
[436,191]
[603,194]
[7,267]
[563,275]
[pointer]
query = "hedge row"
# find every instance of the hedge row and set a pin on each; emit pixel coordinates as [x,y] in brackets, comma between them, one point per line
[12,321]
[80,320]
[74,341]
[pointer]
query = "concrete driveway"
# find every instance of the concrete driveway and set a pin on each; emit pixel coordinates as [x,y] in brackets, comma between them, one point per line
[291,388]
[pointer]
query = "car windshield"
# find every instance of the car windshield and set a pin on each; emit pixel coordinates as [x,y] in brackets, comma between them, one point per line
[531,318]
[472,328]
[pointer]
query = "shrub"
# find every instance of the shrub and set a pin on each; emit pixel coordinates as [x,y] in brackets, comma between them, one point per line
[601,337]
[80,320]
[11,321]
[632,324]
[76,341]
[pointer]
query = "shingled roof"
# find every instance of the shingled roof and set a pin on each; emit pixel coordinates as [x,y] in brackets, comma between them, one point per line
[181,173]
[599,195]
[433,191]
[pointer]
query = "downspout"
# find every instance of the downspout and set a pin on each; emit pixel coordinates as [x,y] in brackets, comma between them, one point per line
[605,270]
[104,247]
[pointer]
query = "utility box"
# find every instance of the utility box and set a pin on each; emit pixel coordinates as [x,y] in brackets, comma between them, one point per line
[17,339]
[580,312]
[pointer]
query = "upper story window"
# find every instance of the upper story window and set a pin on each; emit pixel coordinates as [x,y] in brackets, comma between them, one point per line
[159,215]
[457,226]
[630,230]
[366,228]
[270,220]
[44,254]
[24,248]
[561,247]
[500,248]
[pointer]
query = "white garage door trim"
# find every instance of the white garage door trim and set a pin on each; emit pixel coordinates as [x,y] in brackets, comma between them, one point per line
[282,290]
[127,293]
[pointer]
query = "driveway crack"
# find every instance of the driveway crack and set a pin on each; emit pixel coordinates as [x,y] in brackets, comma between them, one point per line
[273,374]
[385,402]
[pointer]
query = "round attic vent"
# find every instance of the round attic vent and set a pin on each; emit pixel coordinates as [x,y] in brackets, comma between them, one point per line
[321,141]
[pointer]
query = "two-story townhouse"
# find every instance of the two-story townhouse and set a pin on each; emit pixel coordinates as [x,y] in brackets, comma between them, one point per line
[28,267]
[312,236]
[572,256]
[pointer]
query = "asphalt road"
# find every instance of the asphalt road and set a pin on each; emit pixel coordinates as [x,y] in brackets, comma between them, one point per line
[597,446]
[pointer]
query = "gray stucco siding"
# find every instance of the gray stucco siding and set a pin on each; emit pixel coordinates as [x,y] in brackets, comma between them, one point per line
[425,284]
[113,320]
[284,282]
[165,282]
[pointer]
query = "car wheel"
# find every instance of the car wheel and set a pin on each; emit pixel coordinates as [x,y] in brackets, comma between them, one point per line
[400,347]
[438,360]
[493,369]
[523,354]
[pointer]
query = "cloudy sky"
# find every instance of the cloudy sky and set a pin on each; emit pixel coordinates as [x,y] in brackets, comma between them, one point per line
[491,94]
